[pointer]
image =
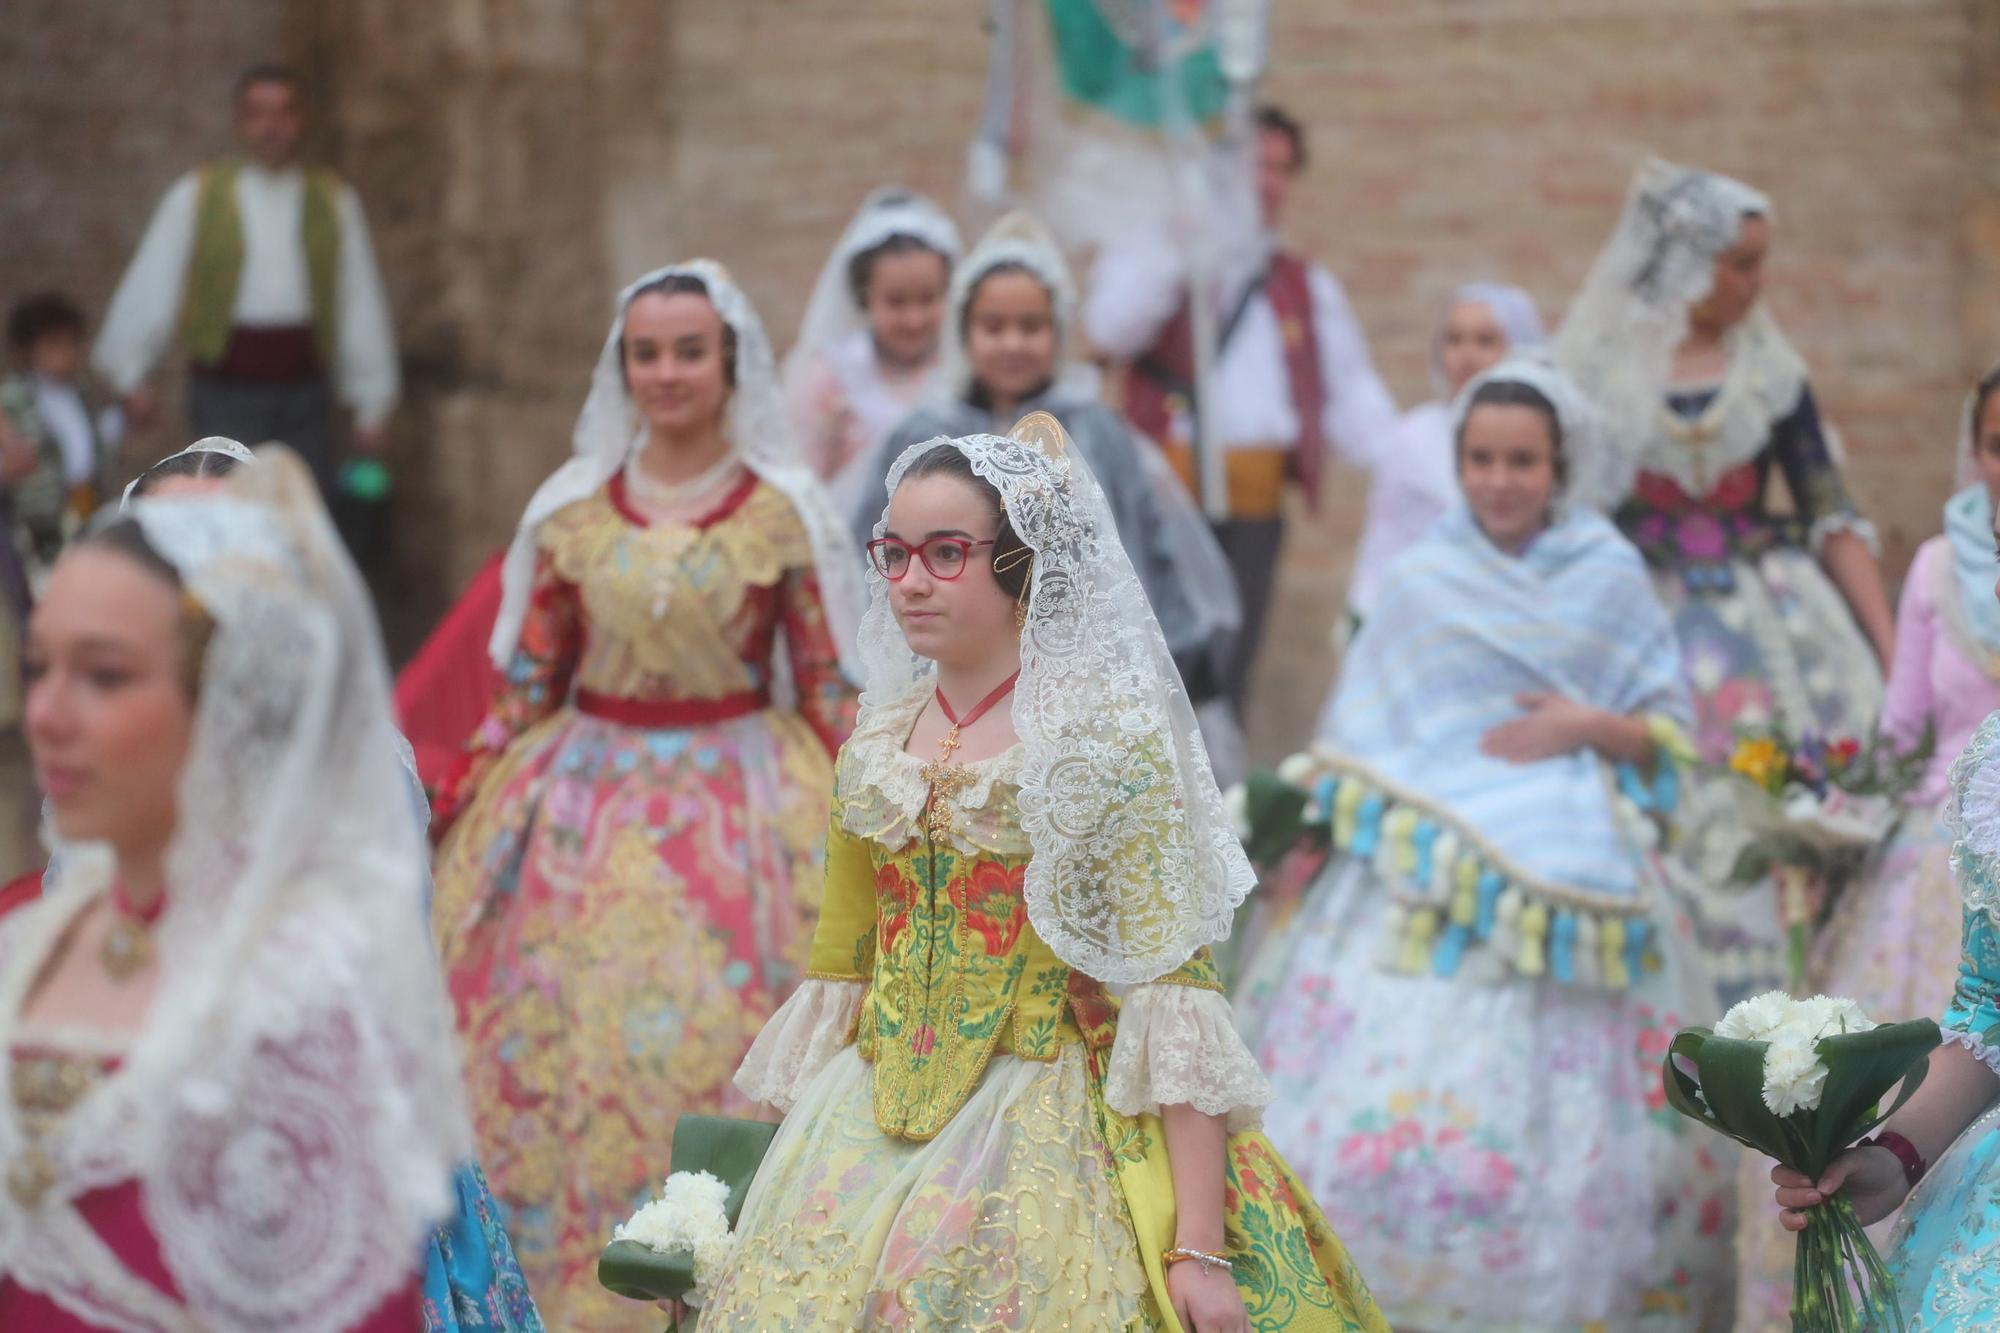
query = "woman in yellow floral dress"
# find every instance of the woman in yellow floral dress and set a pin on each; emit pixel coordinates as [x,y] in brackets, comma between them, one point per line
[982,1133]
[635,837]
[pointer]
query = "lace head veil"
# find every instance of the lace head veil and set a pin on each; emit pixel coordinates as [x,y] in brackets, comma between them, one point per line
[609,429]
[832,314]
[212,444]
[1584,453]
[1619,338]
[1134,864]
[291,1107]
[1512,309]
[1017,240]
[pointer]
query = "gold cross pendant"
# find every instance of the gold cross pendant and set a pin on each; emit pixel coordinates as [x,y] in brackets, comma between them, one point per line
[946,782]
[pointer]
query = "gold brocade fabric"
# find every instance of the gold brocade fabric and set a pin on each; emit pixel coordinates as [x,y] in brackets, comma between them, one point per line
[619,907]
[666,603]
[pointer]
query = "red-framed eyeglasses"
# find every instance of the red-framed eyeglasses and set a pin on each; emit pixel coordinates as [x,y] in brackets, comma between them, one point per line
[944,557]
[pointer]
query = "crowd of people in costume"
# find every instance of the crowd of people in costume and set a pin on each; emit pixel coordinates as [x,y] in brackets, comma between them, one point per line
[854,740]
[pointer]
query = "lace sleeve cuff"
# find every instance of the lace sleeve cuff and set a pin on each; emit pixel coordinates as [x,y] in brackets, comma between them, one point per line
[1986,1055]
[1843,520]
[1177,1046]
[807,1031]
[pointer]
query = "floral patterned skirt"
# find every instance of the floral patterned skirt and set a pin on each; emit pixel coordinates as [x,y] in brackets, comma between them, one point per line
[1496,1152]
[1774,646]
[618,911]
[1037,1207]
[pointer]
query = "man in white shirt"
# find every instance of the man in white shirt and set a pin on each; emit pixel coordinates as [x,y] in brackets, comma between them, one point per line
[1291,376]
[264,267]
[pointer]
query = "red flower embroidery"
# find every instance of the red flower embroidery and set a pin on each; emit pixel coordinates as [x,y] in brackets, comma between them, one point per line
[924,1040]
[990,897]
[895,893]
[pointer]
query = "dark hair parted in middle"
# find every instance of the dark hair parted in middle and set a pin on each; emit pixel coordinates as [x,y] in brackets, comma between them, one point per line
[1013,559]
[861,268]
[1513,393]
[687,284]
[188,463]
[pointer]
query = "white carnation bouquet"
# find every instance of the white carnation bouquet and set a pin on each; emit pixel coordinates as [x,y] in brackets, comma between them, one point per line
[1800,1080]
[688,1226]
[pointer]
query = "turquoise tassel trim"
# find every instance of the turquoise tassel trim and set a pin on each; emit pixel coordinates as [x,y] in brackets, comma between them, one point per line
[1455,893]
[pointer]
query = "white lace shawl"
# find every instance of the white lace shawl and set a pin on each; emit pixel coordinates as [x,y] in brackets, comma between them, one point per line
[291,1109]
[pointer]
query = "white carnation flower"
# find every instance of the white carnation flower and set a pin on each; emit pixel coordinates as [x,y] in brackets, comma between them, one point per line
[691,1215]
[1794,1076]
[1756,1018]
[1831,1016]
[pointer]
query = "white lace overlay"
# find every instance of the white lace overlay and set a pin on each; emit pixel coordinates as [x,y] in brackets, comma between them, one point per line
[1972,813]
[291,1108]
[884,795]
[1986,1055]
[1135,865]
[1177,1046]
[808,1030]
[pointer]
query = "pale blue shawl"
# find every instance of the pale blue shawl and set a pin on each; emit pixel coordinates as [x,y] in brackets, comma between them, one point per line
[1459,629]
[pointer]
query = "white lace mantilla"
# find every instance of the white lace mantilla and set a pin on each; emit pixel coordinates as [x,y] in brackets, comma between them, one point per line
[1178,1046]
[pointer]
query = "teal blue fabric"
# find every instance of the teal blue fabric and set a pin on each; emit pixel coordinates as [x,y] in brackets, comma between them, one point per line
[1946,1254]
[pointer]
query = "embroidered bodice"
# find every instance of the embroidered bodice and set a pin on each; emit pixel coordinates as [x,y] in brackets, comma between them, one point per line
[1703,496]
[935,937]
[660,613]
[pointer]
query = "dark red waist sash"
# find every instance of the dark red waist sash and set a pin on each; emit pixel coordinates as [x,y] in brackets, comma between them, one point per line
[662,714]
[267,354]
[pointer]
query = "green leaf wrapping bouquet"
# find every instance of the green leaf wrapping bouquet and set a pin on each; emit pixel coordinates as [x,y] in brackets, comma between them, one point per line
[1799,1081]
[675,1247]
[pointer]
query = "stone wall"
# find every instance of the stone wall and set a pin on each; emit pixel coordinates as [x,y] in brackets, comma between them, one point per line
[519,158]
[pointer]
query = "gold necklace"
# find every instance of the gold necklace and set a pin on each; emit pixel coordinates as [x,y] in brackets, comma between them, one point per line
[128,943]
[947,779]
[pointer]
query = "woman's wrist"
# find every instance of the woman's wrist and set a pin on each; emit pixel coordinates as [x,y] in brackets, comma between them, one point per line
[1205,1239]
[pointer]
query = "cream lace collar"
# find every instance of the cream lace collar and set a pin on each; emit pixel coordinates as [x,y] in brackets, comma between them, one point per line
[883,792]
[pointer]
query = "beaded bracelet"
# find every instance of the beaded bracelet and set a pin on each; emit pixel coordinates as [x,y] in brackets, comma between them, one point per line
[1903,1150]
[1209,1262]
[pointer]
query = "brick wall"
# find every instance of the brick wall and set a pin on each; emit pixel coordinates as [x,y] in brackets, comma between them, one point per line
[520,158]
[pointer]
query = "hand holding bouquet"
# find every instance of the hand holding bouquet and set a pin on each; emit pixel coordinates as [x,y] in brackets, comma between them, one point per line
[675,1248]
[1800,1080]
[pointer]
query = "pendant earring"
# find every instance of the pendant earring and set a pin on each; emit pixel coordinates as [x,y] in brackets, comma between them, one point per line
[1021,601]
